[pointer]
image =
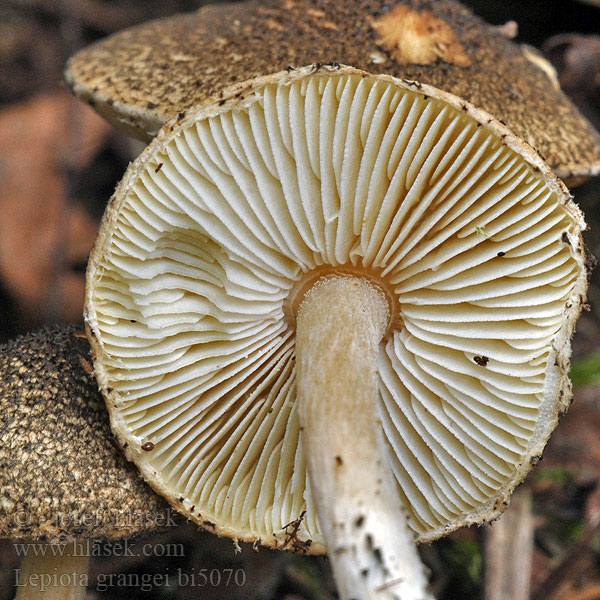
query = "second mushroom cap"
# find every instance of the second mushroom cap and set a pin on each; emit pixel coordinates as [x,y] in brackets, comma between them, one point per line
[143,76]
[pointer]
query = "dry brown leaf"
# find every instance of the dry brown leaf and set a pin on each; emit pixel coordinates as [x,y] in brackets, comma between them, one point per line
[42,234]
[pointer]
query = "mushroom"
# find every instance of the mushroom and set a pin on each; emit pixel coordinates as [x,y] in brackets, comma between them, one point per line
[143,76]
[62,481]
[337,307]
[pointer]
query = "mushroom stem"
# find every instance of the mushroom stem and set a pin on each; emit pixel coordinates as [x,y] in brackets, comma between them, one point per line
[55,572]
[340,324]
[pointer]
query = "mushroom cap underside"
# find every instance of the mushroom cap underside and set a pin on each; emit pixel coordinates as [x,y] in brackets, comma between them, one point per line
[61,477]
[141,77]
[234,205]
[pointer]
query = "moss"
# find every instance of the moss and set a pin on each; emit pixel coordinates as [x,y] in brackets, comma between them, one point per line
[586,371]
[559,475]
[463,567]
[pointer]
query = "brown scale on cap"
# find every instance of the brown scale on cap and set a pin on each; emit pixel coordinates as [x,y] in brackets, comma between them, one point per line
[141,77]
[60,476]
[418,37]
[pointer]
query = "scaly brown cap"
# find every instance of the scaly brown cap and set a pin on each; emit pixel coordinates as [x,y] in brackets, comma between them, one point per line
[143,76]
[61,474]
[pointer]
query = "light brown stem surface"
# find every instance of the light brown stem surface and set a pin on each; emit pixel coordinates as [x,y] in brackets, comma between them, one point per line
[340,324]
[57,573]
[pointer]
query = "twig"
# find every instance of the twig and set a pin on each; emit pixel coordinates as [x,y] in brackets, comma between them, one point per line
[509,551]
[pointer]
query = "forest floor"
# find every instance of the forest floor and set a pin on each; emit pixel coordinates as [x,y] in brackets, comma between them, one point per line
[59,163]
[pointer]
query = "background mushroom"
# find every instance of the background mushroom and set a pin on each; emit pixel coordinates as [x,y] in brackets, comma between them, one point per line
[62,480]
[143,76]
[223,248]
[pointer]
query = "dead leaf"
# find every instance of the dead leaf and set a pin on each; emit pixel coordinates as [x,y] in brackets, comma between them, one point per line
[42,234]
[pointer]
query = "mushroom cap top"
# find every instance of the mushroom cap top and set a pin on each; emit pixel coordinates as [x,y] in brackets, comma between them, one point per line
[143,76]
[61,478]
[239,205]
